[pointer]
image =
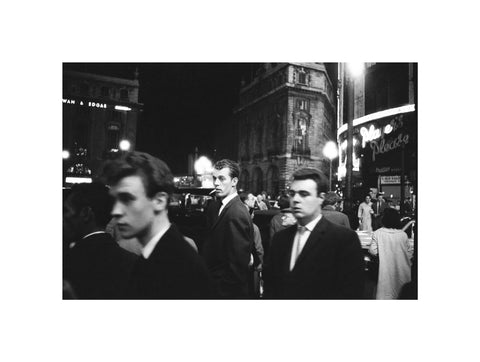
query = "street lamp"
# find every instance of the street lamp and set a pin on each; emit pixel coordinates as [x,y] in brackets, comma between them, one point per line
[65,154]
[204,166]
[330,151]
[124,145]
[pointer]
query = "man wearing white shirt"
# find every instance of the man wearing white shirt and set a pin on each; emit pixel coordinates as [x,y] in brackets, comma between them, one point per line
[168,267]
[314,259]
[230,240]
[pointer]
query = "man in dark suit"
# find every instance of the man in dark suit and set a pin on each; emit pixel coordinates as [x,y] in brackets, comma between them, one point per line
[230,242]
[315,259]
[168,267]
[95,266]
[330,212]
[379,207]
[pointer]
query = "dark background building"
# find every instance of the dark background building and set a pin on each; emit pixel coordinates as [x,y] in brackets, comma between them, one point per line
[98,113]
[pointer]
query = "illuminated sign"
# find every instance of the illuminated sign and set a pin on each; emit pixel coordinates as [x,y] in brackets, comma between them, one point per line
[78,180]
[374,116]
[369,134]
[392,180]
[94,104]
[383,146]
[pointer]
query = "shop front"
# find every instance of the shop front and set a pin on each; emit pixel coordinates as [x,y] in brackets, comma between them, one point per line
[384,156]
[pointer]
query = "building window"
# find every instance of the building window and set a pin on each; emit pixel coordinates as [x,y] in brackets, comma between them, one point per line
[303,104]
[84,89]
[124,94]
[302,77]
[113,136]
[105,91]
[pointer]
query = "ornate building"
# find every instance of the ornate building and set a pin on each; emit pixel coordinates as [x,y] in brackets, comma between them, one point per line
[285,116]
[99,112]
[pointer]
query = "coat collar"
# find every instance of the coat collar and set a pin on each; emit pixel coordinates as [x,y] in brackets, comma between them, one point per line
[315,239]
[225,209]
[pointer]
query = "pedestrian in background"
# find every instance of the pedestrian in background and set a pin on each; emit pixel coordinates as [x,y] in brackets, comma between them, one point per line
[230,241]
[365,213]
[329,209]
[394,254]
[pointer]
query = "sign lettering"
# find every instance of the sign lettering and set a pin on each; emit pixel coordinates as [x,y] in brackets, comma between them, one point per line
[383,146]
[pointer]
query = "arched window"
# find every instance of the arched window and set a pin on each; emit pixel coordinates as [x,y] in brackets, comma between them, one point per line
[273,181]
[257,181]
[244,180]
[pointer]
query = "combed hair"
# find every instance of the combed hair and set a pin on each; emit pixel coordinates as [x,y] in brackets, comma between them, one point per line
[155,173]
[94,196]
[310,173]
[233,167]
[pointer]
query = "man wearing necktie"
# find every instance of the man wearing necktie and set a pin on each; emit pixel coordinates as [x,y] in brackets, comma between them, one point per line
[230,241]
[315,259]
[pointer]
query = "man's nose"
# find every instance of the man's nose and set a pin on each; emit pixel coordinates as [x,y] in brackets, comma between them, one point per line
[116,210]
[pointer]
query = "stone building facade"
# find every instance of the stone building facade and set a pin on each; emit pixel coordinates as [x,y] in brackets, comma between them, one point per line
[286,114]
[98,113]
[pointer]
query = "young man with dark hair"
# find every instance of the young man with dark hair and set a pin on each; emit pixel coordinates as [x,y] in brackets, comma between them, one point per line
[230,242]
[169,268]
[315,259]
[95,266]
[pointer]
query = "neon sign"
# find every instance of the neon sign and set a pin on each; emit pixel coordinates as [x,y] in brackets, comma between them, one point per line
[369,134]
[385,146]
[94,104]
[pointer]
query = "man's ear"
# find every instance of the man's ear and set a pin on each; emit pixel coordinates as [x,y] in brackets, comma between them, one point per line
[235,181]
[160,201]
[322,197]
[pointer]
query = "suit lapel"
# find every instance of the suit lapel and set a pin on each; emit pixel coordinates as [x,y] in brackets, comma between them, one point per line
[316,237]
[289,237]
[221,216]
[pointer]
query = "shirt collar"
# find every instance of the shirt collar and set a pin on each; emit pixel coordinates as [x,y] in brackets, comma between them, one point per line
[227,199]
[148,248]
[95,232]
[311,225]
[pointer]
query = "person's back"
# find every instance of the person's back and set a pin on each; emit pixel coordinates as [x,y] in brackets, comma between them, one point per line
[329,211]
[394,254]
[95,265]
[335,216]
[98,268]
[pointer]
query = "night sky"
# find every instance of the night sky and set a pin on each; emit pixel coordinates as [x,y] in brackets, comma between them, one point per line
[183,104]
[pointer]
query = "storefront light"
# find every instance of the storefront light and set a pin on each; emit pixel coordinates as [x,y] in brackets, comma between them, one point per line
[65,154]
[122,108]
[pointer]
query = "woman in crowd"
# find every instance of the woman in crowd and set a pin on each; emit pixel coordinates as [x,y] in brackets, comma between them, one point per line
[394,253]
[365,213]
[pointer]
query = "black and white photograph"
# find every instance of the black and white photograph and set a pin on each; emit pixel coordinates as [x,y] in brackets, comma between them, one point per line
[271,146]
[239,181]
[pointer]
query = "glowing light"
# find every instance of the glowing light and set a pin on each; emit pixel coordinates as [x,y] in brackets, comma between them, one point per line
[388,128]
[122,108]
[65,154]
[203,165]
[78,180]
[356,69]
[369,134]
[330,150]
[377,115]
[124,145]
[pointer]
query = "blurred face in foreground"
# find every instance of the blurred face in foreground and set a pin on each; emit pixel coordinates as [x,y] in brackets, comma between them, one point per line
[305,202]
[134,212]
[224,184]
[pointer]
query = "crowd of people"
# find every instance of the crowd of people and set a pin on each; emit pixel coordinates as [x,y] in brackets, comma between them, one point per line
[313,253]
